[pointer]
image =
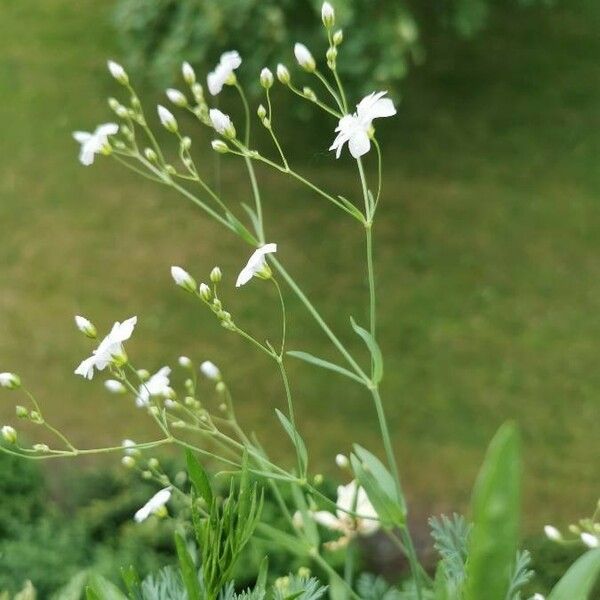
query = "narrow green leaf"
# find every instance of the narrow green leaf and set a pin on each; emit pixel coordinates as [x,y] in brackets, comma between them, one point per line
[188,569]
[579,581]
[90,594]
[285,540]
[296,439]
[495,515]
[309,524]
[132,581]
[103,589]
[252,214]
[198,477]
[263,572]
[241,229]
[353,209]
[324,364]
[374,349]
[391,512]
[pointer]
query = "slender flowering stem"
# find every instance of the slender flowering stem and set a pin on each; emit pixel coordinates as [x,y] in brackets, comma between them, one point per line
[316,101]
[328,87]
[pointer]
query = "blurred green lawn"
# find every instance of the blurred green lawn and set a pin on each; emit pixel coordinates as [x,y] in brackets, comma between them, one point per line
[487,254]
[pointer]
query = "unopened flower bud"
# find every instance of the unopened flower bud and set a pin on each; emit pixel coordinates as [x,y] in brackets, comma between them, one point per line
[178,424]
[283,74]
[591,541]
[128,462]
[205,292]
[261,112]
[189,75]
[183,279]
[331,56]
[36,417]
[86,327]
[177,97]
[304,57]
[189,401]
[198,92]
[338,37]
[184,362]
[189,385]
[327,15]
[223,407]
[118,72]
[220,146]
[266,78]
[21,412]
[153,463]
[222,123]
[221,388]
[115,387]
[210,370]
[41,447]
[10,381]
[309,94]
[153,410]
[186,142]
[552,533]
[217,306]
[150,154]
[216,275]
[114,104]
[143,374]
[146,475]
[341,460]
[9,434]
[167,119]
[318,479]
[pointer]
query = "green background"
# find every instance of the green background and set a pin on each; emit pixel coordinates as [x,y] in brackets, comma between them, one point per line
[487,256]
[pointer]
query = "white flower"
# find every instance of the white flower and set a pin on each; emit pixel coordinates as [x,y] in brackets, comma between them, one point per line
[184,362]
[304,57]
[176,97]
[210,370]
[354,128]
[128,446]
[183,279]
[94,143]
[9,434]
[341,460]
[189,76]
[118,72]
[167,119]
[10,381]
[591,541]
[228,63]
[327,14]
[154,505]
[86,327]
[109,347]
[351,498]
[538,597]
[222,123]
[552,533]
[114,386]
[157,385]
[255,264]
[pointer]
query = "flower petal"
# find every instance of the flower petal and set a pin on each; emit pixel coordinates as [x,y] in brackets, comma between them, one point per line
[359,144]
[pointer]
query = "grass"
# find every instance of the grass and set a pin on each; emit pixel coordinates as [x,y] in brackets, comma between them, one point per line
[486,253]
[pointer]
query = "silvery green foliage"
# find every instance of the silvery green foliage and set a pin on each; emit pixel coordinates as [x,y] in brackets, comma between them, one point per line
[164,585]
[298,587]
[372,587]
[520,575]
[451,537]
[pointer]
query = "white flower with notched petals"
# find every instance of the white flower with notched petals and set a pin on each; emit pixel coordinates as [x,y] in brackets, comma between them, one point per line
[350,498]
[109,347]
[590,540]
[354,129]
[94,143]
[255,264]
[228,63]
[157,385]
[210,370]
[154,505]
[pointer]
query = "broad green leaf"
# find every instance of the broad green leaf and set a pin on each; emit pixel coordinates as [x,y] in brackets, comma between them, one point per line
[296,440]
[373,349]
[495,516]
[324,364]
[578,582]
[391,512]
[103,589]
[198,477]
[189,572]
